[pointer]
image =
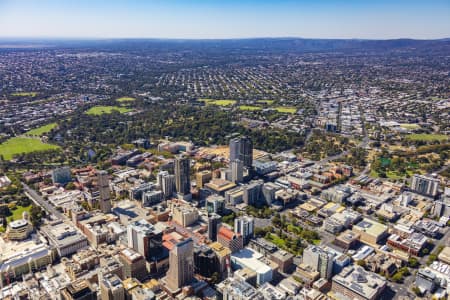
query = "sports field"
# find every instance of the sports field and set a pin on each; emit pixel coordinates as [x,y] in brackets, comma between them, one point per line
[41,130]
[286,109]
[249,107]
[18,145]
[268,102]
[223,102]
[100,110]
[410,126]
[126,99]
[24,94]
[427,137]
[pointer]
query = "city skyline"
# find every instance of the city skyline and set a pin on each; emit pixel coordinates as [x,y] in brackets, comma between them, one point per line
[201,19]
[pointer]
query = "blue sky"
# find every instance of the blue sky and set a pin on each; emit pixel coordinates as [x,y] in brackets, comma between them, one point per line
[371,19]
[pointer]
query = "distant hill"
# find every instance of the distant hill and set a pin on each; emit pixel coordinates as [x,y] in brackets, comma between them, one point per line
[255,44]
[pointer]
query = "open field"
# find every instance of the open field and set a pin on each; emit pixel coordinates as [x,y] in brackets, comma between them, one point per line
[223,102]
[17,213]
[268,102]
[410,126]
[286,109]
[18,145]
[24,94]
[41,130]
[427,137]
[249,107]
[126,99]
[100,110]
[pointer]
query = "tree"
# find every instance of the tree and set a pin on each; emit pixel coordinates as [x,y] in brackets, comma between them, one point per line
[215,277]
[361,263]
[397,277]
[413,262]
[70,186]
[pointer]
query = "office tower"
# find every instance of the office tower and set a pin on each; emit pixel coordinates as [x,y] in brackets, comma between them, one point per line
[61,175]
[133,264]
[78,290]
[237,170]
[227,238]
[253,192]
[268,192]
[244,225]
[152,197]
[205,261]
[214,222]
[181,265]
[145,239]
[320,260]
[425,185]
[103,188]
[242,149]
[182,175]
[215,204]
[111,288]
[166,183]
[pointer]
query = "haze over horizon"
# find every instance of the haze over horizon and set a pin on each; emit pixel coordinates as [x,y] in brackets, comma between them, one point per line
[203,19]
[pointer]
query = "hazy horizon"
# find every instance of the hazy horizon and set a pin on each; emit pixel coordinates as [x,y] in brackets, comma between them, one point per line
[232,19]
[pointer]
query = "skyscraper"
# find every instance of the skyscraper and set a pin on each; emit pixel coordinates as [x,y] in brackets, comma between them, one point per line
[214,221]
[425,185]
[145,239]
[237,170]
[182,175]
[181,265]
[166,183]
[103,188]
[245,226]
[242,148]
[320,260]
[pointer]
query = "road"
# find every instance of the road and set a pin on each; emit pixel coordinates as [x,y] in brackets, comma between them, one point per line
[37,199]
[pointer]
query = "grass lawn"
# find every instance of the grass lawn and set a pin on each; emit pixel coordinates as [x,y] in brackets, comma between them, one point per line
[268,102]
[393,175]
[24,94]
[277,240]
[17,213]
[18,145]
[223,102]
[286,109]
[427,137]
[126,99]
[100,110]
[249,107]
[410,126]
[41,130]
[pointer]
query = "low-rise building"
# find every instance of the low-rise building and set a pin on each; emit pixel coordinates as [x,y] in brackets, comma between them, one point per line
[64,237]
[354,282]
[370,231]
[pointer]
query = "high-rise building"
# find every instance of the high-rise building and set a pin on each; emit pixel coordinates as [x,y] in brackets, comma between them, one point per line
[244,225]
[320,260]
[215,204]
[78,290]
[425,185]
[253,192]
[152,197]
[242,148]
[227,238]
[237,171]
[145,239]
[111,288]
[61,175]
[105,194]
[182,175]
[166,183]
[205,261]
[214,221]
[181,265]
[133,264]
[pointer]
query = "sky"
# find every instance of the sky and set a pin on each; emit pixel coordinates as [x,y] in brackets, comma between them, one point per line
[365,19]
